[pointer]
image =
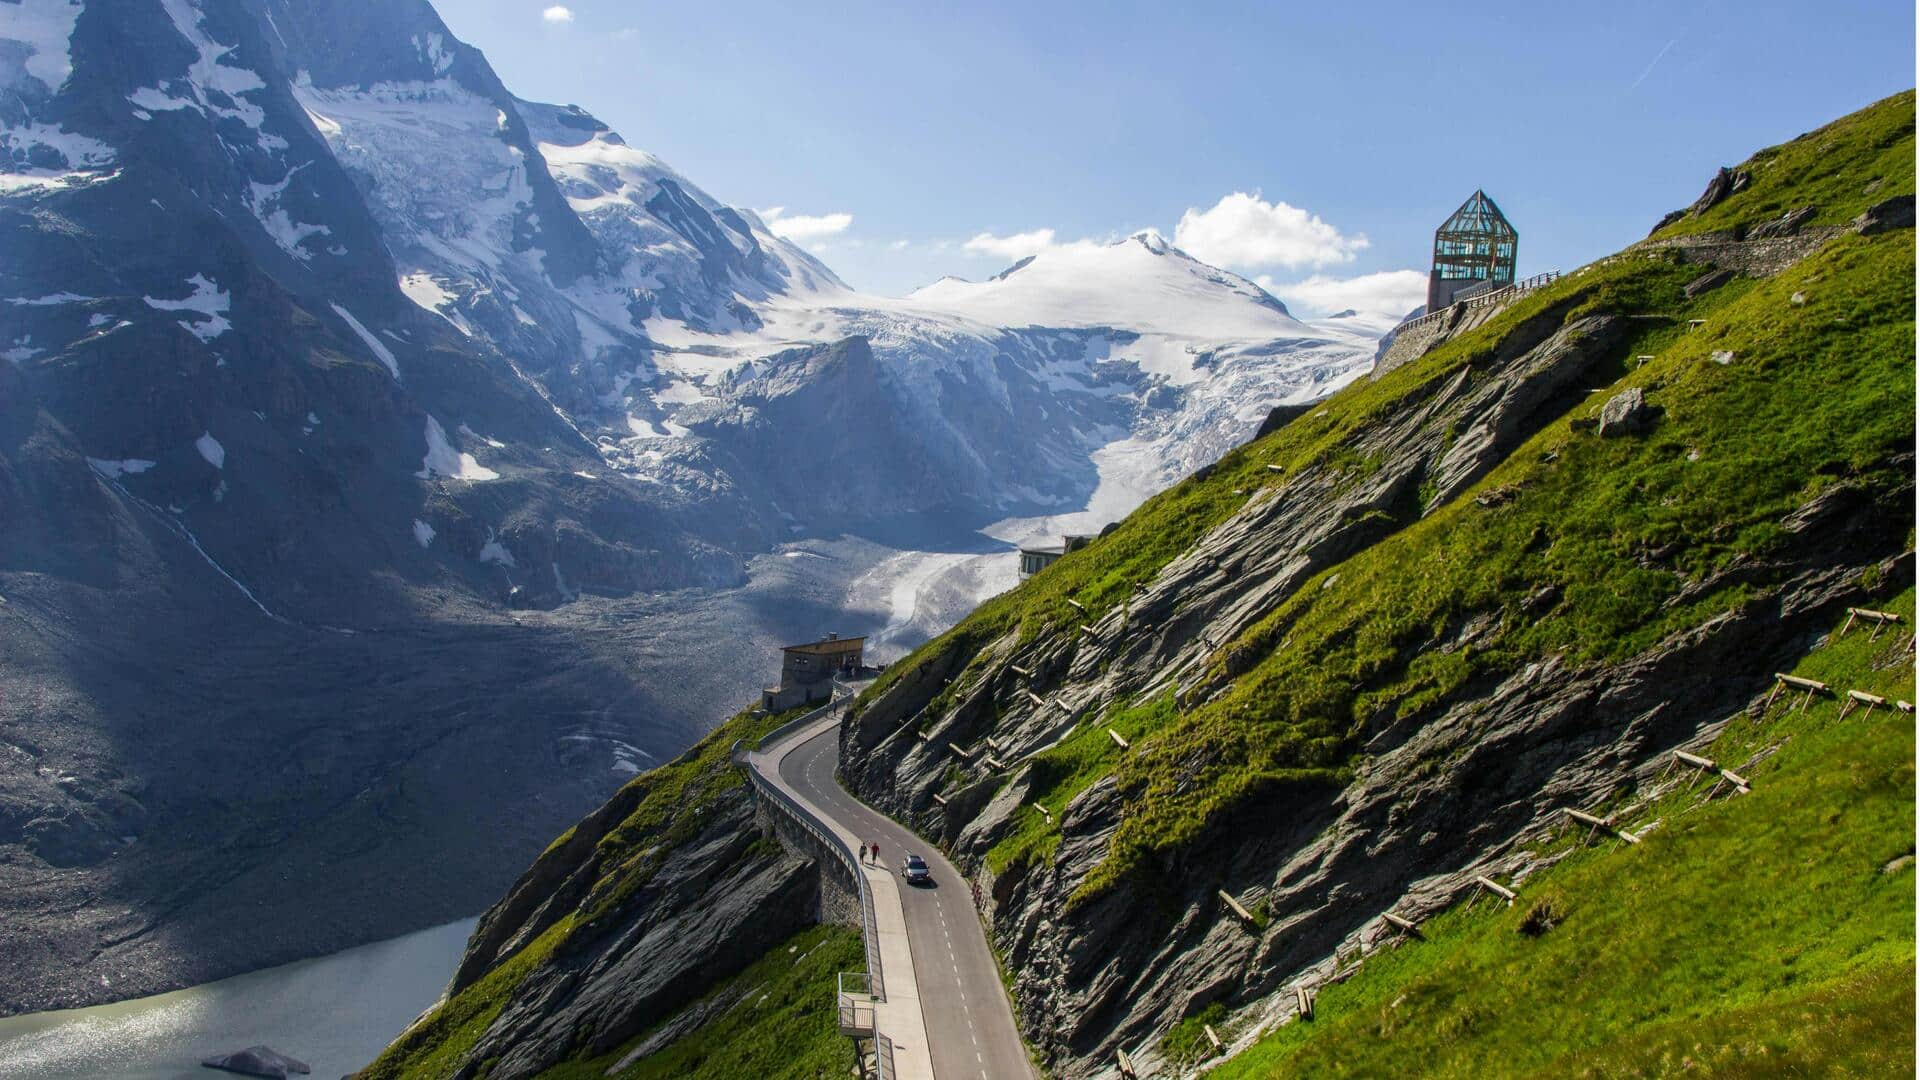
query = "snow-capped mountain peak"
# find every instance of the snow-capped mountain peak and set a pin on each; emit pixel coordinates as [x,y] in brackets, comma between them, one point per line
[1140,283]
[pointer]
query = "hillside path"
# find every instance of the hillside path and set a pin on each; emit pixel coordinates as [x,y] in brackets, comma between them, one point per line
[945,1003]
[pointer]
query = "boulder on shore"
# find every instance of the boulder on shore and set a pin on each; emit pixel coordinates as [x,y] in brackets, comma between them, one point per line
[257,1061]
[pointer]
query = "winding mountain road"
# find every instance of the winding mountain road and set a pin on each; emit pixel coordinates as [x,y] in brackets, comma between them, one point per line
[951,980]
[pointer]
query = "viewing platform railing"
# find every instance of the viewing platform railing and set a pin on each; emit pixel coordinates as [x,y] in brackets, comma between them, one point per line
[1485,299]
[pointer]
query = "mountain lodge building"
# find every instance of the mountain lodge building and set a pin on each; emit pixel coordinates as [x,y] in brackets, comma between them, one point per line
[807,671]
[1473,252]
[1039,557]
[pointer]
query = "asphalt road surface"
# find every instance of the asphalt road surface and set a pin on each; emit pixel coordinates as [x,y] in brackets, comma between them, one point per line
[970,1028]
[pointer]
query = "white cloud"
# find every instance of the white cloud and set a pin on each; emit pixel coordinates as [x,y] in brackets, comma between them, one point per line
[558,14]
[801,228]
[1242,231]
[1388,292]
[897,245]
[1020,245]
[1017,246]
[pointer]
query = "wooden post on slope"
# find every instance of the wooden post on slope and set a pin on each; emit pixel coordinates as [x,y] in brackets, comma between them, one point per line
[1238,909]
[1405,925]
[1119,740]
[1303,998]
[1212,1037]
[1126,1064]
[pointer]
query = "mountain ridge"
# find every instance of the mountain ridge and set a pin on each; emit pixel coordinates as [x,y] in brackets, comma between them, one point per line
[1629,498]
[404,429]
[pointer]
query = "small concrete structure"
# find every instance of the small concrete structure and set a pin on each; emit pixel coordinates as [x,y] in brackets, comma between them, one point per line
[807,671]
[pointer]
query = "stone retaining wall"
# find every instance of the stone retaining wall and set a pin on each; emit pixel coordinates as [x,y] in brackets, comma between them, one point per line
[839,904]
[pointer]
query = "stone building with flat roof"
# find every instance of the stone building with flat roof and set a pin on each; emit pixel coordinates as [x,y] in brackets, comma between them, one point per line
[807,671]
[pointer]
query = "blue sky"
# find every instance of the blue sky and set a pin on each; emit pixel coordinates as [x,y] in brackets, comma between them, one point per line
[1312,147]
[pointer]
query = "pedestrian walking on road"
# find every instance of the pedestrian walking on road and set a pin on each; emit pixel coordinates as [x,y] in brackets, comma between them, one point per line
[875,848]
[863,851]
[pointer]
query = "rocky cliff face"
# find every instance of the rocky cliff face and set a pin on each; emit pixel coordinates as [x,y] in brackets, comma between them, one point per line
[1321,711]
[675,884]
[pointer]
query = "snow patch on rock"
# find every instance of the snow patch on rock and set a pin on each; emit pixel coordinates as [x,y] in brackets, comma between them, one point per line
[443,460]
[114,470]
[208,300]
[373,344]
[211,449]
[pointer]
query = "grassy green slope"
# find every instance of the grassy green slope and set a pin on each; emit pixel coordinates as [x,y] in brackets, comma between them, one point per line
[664,808]
[1769,933]
[1823,169]
[1819,391]
[781,1023]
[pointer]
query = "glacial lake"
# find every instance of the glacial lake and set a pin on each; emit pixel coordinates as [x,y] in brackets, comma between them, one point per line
[333,1012]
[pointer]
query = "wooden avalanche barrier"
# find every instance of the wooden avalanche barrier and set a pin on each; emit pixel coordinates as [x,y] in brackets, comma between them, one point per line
[1277,468]
[1860,697]
[1782,679]
[1020,671]
[1119,740]
[994,763]
[964,754]
[1695,760]
[1495,888]
[1038,701]
[1403,924]
[1303,997]
[941,799]
[1599,824]
[1089,631]
[1126,1064]
[1044,812]
[1880,619]
[1077,605]
[1727,776]
[1213,1037]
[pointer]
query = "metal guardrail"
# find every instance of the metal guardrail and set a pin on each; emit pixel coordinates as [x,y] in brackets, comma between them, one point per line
[819,830]
[1497,296]
[883,1057]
